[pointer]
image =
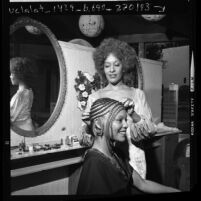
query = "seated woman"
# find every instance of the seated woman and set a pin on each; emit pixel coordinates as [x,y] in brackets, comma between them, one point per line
[21,103]
[105,169]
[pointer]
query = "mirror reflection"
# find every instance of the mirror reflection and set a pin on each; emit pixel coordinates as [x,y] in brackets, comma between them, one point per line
[34,78]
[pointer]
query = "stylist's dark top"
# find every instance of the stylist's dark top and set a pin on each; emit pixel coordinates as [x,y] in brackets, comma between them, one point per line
[102,175]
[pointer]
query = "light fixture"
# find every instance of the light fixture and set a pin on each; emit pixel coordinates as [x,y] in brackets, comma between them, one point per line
[91,25]
[33,30]
[153,18]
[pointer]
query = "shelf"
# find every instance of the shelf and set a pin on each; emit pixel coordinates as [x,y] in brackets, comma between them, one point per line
[15,154]
[46,159]
[45,166]
[167,133]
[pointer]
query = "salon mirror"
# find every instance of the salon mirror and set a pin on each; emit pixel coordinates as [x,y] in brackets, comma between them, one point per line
[32,39]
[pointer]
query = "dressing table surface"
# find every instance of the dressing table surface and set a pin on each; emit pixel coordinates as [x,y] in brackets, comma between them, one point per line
[29,163]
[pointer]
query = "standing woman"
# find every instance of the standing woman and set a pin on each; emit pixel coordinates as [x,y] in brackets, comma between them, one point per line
[21,74]
[114,59]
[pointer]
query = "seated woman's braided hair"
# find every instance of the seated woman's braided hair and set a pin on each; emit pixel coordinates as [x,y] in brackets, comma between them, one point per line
[99,109]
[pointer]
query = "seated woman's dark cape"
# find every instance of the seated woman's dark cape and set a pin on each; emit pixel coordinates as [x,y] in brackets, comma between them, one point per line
[77,184]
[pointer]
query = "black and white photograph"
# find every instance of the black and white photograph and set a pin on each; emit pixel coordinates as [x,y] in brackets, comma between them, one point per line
[101,98]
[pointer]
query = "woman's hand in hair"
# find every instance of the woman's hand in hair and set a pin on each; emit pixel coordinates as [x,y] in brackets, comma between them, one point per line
[130,108]
[129,105]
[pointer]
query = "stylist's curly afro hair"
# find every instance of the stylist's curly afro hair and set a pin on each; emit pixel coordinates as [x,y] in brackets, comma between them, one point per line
[124,52]
[24,69]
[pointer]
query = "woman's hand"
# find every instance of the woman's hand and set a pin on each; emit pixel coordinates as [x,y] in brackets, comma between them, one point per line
[130,108]
[129,105]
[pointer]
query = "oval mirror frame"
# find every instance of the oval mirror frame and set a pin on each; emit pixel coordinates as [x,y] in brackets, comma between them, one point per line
[22,22]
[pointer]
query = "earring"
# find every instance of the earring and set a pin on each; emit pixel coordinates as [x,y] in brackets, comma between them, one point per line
[100,132]
[100,128]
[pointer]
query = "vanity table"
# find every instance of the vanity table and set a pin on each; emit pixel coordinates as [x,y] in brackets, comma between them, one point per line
[44,172]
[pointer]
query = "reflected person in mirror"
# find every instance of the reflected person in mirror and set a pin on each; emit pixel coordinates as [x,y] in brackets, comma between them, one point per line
[105,169]
[115,60]
[22,75]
